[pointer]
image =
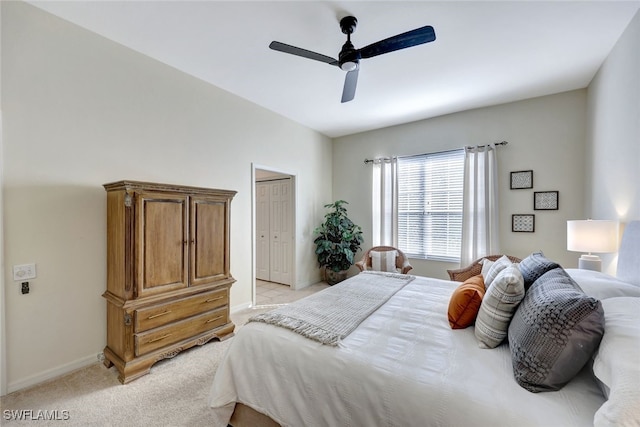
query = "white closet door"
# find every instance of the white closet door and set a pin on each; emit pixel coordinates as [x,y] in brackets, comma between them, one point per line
[280,219]
[262,231]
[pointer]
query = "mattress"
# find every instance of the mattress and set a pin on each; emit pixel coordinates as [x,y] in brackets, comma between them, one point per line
[402,366]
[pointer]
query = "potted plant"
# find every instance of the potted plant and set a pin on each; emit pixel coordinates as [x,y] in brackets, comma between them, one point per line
[337,243]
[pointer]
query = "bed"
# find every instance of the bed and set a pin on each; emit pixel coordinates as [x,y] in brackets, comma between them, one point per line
[404,365]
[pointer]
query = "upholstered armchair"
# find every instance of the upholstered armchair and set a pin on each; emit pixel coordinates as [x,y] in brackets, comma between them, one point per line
[462,274]
[381,258]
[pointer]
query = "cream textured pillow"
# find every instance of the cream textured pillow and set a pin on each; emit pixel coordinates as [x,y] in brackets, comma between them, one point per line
[486,266]
[498,305]
[384,260]
[499,265]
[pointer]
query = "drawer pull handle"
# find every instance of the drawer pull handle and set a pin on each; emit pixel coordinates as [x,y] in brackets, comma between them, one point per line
[214,319]
[158,315]
[159,338]
[213,299]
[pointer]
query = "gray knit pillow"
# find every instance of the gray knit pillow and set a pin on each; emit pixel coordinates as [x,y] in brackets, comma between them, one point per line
[534,266]
[554,332]
[498,305]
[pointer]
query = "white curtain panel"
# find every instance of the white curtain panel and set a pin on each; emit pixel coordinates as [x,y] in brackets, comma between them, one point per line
[385,202]
[480,205]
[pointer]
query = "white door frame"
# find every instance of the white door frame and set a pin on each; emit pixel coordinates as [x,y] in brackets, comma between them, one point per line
[3,347]
[294,182]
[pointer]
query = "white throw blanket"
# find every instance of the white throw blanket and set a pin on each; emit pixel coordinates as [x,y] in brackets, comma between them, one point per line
[331,315]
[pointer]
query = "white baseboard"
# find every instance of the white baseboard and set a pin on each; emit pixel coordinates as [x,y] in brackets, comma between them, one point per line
[240,307]
[52,373]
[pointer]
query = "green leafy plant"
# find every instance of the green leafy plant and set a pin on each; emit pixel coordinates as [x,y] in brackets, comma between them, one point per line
[338,238]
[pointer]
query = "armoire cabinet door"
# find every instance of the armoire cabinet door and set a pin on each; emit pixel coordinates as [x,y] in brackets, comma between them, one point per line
[209,248]
[162,239]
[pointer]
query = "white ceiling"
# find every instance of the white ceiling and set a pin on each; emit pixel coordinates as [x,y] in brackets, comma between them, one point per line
[486,53]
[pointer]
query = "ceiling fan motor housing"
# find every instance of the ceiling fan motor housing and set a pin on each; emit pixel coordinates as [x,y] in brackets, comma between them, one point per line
[348,58]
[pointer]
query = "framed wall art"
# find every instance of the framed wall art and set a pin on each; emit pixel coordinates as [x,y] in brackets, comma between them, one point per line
[524,223]
[521,180]
[545,200]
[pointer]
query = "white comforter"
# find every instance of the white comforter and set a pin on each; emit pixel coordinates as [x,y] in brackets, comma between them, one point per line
[403,366]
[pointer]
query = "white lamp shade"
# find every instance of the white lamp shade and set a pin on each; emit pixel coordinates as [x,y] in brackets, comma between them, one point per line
[593,236]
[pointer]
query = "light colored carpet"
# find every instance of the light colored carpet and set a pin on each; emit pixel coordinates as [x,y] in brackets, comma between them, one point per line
[175,393]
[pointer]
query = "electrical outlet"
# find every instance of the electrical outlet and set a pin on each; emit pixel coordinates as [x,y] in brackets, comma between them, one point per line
[24,272]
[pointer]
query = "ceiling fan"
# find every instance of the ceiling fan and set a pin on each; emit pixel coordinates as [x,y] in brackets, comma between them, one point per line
[349,57]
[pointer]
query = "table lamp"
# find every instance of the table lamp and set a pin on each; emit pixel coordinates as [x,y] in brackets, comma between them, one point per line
[592,236]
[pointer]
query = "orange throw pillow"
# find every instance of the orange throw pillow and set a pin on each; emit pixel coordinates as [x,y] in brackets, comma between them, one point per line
[465,302]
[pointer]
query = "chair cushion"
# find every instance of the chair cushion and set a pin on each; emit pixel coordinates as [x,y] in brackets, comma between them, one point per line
[384,260]
[465,302]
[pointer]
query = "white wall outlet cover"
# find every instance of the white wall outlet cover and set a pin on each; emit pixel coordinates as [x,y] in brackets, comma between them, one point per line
[24,272]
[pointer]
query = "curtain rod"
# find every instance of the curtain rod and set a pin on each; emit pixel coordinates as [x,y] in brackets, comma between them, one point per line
[367,161]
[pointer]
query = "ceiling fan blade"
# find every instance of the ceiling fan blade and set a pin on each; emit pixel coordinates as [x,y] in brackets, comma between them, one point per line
[350,83]
[401,41]
[281,47]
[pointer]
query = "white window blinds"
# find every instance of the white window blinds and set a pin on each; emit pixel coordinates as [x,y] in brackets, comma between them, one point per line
[430,205]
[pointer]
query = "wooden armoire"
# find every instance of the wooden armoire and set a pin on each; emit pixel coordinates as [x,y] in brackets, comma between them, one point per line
[168,277]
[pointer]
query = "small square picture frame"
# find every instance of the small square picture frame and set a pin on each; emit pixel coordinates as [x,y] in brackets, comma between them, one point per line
[523,223]
[546,200]
[521,180]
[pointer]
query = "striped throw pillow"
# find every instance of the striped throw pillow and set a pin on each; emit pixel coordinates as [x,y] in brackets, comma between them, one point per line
[498,306]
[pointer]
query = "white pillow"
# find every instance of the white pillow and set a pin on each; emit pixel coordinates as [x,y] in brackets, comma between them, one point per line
[602,286]
[384,260]
[486,266]
[495,269]
[616,363]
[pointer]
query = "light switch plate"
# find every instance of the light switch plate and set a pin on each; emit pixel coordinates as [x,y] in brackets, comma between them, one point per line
[24,272]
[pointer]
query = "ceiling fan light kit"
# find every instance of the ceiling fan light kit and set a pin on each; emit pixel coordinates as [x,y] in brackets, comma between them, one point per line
[349,57]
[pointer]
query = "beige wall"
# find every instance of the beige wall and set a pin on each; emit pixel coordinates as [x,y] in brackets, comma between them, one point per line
[545,135]
[80,111]
[613,142]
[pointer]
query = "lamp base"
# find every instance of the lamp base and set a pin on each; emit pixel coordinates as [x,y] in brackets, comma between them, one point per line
[590,262]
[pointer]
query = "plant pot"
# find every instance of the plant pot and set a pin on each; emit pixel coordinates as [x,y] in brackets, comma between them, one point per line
[333,277]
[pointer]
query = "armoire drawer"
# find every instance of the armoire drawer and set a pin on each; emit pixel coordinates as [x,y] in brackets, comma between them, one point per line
[163,314]
[146,342]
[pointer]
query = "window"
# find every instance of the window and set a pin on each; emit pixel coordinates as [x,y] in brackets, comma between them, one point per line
[430,205]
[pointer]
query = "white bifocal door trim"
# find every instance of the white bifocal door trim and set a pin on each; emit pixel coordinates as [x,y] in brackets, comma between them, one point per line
[274,231]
